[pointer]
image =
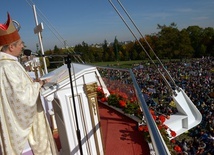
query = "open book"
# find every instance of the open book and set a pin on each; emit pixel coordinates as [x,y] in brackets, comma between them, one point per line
[56,75]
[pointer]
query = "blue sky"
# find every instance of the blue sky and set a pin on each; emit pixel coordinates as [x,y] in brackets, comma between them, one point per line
[93,21]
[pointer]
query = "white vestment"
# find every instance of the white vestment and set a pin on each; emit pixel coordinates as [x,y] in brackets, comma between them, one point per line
[22,117]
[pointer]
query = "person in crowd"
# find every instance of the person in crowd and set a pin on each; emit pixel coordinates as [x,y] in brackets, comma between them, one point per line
[22,118]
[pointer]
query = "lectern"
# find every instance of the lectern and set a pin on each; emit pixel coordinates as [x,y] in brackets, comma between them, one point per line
[57,96]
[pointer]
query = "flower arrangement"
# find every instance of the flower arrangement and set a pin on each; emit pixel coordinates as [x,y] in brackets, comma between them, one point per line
[120,100]
[129,105]
[165,131]
[100,94]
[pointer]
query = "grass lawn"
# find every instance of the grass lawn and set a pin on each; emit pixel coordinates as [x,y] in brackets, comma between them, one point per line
[119,64]
[128,64]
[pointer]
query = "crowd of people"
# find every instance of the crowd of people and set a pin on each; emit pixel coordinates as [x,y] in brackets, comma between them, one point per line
[194,76]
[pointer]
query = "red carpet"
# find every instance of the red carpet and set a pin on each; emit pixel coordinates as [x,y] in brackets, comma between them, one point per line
[120,134]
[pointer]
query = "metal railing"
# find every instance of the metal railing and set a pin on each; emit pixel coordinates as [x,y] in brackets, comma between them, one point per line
[157,140]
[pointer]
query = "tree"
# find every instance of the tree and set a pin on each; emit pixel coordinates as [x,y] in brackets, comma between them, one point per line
[195,34]
[185,49]
[84,50]
[111,54]
[168,39]
[208,41]
[134,55]
[148,45]
[129,49]
[116,49]
[124,53]
[97,53]
[142,55]
[105,51]
[169,42]
[56,49]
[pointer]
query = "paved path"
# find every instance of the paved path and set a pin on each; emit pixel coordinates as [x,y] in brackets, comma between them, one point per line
[120,135]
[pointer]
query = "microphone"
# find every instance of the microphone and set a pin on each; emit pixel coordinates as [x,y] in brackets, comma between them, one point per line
[27,52]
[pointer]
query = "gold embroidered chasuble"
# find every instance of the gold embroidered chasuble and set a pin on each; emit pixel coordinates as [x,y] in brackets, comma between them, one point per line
[22,117]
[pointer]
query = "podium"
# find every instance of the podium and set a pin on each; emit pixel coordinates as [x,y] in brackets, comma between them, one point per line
[59,101]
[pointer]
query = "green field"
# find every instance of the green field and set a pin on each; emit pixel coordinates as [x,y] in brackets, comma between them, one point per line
[119,64]
[128,64]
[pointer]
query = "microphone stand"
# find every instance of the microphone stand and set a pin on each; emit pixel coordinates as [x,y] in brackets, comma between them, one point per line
[68,62]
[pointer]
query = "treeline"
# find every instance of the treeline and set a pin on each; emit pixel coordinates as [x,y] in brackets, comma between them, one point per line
[169,42]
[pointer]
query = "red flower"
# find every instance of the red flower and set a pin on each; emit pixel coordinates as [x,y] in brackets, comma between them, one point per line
[162,118]
[123,95]
[165,126]
[152,112]
[104,99]
[99,88]
[140,128]
[177,148]
[173,133]
[122,103]
[173,141]
[145,128]
[112,91]
[160,127]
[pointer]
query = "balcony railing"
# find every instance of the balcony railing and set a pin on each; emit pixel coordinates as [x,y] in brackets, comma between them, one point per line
[124,81]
